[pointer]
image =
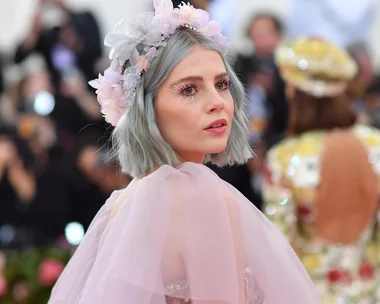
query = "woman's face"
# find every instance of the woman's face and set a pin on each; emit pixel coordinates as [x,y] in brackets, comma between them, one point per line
[264,35]
[194,106]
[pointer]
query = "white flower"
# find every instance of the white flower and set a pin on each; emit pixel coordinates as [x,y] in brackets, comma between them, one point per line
[123,41]
[142,25]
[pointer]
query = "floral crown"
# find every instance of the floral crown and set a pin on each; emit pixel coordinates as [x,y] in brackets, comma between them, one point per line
[135,45]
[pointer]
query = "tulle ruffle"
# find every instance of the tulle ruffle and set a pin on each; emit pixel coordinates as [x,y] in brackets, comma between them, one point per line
[183,225]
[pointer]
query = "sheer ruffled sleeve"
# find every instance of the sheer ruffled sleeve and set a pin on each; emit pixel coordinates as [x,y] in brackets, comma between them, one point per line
[186,225]
[80,266]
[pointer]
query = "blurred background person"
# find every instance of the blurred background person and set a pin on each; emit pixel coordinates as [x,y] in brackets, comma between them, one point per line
[66,39]
[1,74]
[372,103]
[17,182]
[322,183]
[358,87]
[266,105]
[42,128]
[93,176]
[71,106]
[342,22]
[33,195]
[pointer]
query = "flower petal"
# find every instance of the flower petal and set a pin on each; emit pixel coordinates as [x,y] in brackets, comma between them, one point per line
[94,83]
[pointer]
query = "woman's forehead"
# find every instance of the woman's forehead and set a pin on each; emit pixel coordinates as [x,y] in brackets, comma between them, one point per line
[200,62]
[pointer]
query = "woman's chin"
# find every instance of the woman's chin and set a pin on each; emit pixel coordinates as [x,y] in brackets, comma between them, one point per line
[217,148]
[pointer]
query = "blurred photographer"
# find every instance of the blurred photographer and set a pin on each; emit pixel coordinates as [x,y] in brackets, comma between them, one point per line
[17,182]
[267,106]
[64,38]
[372,103]
[43,216]
[359,85]
[93,177]
[71,108]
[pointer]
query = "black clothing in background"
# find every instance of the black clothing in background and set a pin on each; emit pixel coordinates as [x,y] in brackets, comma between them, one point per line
[86,198]
[238,176]
[86,27]
[247,67]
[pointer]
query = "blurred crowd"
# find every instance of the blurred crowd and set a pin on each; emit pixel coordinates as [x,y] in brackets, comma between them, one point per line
[55,168]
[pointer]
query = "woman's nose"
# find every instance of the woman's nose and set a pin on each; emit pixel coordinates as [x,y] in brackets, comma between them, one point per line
[216,103]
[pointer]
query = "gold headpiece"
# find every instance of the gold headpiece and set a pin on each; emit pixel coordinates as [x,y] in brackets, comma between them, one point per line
[315,66]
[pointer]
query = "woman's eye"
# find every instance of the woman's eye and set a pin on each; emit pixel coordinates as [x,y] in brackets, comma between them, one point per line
[189,90]
[223,85]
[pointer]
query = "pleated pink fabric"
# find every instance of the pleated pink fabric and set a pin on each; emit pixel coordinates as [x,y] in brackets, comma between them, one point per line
[183,226]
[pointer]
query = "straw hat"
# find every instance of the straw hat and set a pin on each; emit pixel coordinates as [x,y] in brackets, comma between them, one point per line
[315,66]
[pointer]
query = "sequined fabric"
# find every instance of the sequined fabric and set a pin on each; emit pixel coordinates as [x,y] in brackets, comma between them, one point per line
[179,292]
[341,273]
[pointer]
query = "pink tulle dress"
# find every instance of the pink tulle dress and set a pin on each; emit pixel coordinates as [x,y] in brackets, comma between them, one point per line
[182,235]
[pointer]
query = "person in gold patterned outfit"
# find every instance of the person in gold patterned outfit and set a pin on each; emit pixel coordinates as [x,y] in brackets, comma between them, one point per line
[322,182]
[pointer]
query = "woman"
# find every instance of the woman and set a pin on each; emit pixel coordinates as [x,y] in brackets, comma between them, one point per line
[322,182]
[177,233]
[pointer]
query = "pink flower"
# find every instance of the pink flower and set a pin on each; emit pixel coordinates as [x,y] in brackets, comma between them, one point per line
[367,271]
[142,63]
[304,213]
[189,15]
[212,29]
[164,17]
[3,286]
[112,103]
[204,18]
[110,97]
[337,275]
[49,272]
[111,77]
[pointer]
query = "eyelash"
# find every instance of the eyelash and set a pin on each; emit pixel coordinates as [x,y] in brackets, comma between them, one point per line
[225,82]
